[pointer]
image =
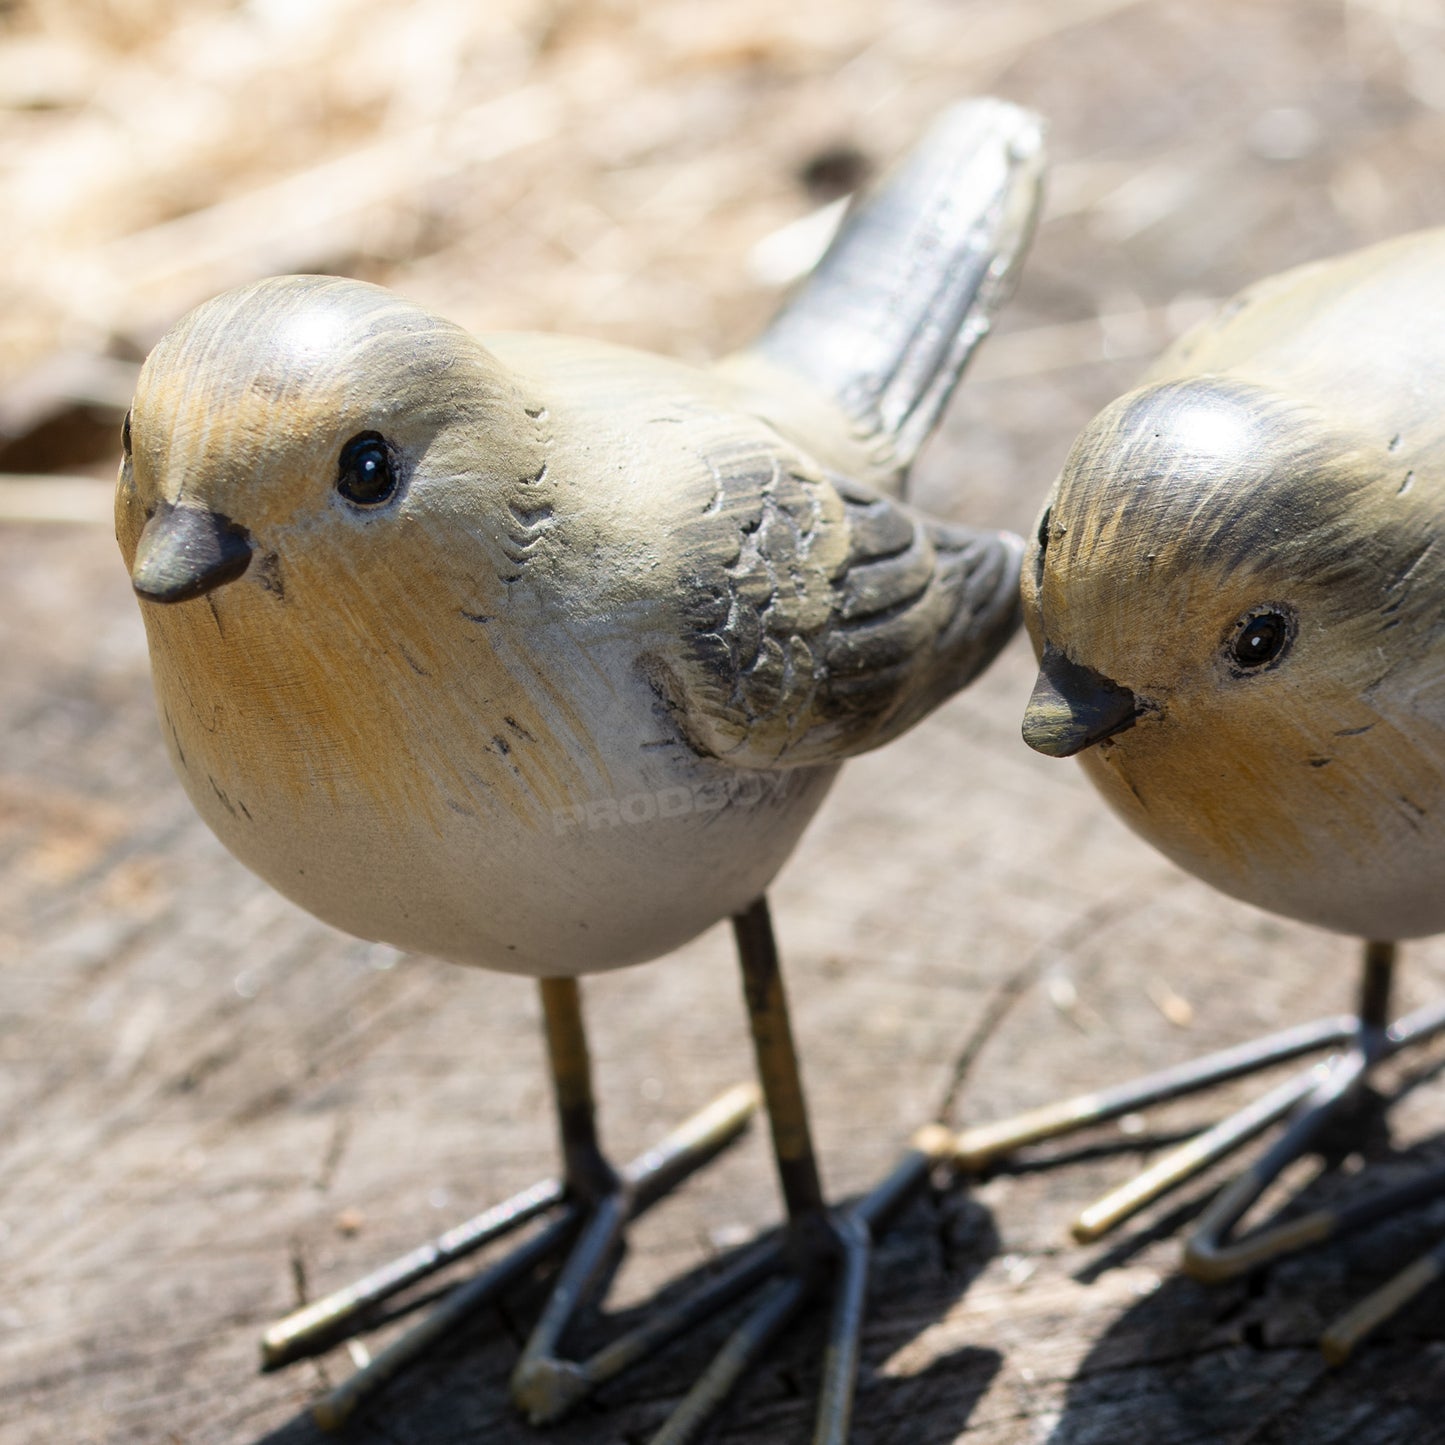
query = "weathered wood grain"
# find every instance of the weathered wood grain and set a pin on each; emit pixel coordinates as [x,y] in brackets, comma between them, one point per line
[211,1100]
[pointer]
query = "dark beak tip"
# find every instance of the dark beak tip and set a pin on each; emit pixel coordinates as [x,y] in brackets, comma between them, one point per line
[1073,708]
[1052,741]
[167,593]
[187,551]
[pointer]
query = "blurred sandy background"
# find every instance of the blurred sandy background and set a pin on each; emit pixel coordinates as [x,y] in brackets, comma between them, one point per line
[631,169]
[211,1104]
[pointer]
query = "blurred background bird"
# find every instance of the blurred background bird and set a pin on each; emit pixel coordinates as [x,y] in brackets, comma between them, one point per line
[538,654]
[1236,596]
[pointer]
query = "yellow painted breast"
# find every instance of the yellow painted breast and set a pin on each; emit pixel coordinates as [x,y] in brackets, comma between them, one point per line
[361,684]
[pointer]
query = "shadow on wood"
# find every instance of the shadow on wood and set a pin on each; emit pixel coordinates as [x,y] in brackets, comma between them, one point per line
[922,1268]
[1241,1362]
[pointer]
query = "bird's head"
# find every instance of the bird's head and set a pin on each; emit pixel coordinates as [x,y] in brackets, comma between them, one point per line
[301,419]
[1222,587]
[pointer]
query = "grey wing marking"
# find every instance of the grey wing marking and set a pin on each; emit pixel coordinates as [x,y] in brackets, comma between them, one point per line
[833,617]
[923,607]
[754,603]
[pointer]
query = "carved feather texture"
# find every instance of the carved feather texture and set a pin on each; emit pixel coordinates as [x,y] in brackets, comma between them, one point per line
[827,617]
[516,710]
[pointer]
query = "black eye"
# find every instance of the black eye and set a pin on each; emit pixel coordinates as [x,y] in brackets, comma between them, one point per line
[1261,636]
[366,474]
[125,434]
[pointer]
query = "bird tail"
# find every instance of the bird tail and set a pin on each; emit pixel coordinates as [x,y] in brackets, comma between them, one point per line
[888,319]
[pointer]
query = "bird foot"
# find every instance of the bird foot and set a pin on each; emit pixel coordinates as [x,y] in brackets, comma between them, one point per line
[1318,1103]
[585,1234]
[817,1249]
[823,1249]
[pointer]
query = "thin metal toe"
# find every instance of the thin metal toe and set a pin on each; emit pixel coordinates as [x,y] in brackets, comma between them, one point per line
[696,1141]
[325,1322]
[976,1148]
[1348,1332]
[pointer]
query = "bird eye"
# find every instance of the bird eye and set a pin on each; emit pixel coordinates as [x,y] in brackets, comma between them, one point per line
[1262,636]
[366,474]
[125,434]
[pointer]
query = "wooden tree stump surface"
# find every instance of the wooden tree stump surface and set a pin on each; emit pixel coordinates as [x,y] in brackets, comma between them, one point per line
[213,1107]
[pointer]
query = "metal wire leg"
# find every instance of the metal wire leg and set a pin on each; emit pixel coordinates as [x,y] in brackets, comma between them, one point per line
[1315,1098]
[856,1228]
[809,1234]
[333,1410]
[978,1147]
[777,1059]
[540,1381]
[326,1322]
[817,1243]
[1191,1158]
[544,1384]
[783,1299]
[1310,1091]
[1311,1100]
[647,1177]
[845,1330]
[595,1203]
[1212,1253]
[592,1202]
[1339,1342]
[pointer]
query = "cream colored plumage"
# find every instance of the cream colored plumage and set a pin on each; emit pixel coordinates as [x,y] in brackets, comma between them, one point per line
[1287,457]
[539,654]
[572,693]
[1237,595]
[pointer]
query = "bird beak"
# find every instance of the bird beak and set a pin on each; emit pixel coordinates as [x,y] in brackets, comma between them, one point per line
[1073,707]
[185,551]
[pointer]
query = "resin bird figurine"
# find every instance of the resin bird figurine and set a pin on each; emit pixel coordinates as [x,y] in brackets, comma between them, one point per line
[1237,597]
[538,654]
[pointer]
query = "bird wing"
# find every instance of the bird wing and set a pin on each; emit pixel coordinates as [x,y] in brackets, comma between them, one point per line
[820,618]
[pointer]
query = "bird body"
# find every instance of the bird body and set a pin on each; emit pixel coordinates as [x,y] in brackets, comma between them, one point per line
[536,653]
[1237,593]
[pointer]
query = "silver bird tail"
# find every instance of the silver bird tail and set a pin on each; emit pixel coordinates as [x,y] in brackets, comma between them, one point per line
[887,321]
